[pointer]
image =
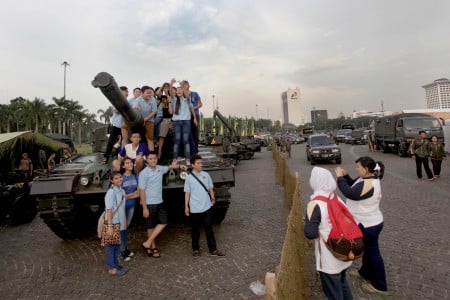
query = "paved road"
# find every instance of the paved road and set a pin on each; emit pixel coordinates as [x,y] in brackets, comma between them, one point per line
[415,239]
[34,263]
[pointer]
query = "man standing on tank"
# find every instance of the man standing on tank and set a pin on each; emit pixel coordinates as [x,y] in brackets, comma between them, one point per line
[115,131]
[196,101]
[124,128]
[147,106]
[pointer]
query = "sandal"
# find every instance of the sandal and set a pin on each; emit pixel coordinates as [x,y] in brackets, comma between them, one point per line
[148,251]
[155,252]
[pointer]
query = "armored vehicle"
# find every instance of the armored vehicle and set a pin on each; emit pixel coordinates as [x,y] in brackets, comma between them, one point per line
[16,204]
[395,133]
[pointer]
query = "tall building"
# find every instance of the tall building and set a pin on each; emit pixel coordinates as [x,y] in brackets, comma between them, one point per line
[318,115]
[438,93]
[291,108]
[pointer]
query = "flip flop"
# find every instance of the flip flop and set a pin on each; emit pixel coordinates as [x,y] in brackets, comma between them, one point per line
[148,251]
[155,253]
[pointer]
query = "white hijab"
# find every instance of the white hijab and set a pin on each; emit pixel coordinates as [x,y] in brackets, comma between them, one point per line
[322,182]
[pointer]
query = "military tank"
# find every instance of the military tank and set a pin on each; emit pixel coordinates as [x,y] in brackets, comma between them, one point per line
[70,198]
[221,171]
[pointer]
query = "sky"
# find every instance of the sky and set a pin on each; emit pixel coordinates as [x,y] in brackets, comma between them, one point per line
[343,55]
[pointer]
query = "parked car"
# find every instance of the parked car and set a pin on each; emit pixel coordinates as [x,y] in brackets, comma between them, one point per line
[348,137]
[340,135]
[358,137]
[321,147]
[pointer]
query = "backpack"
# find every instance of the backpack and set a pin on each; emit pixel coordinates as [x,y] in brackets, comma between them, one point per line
[345,240]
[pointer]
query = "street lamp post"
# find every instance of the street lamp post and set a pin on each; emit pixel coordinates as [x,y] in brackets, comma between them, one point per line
[65,64]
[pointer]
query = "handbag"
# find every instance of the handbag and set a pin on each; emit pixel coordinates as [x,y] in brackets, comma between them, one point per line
[113,239]
[192,173]
[101,220]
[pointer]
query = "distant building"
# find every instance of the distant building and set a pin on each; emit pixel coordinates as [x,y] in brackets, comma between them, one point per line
[291,108]
[366,113]
[442,114]
[318,115]
[438,94]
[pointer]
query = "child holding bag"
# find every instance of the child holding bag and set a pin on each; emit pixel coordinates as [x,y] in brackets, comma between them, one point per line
[115,221]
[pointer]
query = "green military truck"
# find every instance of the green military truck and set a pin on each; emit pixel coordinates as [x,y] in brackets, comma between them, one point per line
[396,133]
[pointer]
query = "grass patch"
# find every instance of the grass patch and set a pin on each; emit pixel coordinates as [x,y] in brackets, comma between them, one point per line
[84,149]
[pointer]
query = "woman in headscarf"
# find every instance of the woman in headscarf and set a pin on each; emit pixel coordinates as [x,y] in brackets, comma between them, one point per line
[317,226]
[363,200]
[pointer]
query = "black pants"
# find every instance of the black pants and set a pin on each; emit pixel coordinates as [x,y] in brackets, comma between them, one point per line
[203,219]
[423,160]
[114,133]
[436,166]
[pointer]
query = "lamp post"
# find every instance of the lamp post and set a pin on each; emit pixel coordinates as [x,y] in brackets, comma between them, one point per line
[65,64]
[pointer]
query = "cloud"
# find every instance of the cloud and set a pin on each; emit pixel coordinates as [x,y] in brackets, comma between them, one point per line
[349,56]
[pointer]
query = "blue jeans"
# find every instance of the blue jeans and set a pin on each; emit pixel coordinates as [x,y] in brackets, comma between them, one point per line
[129,212]
[156,130]
[112,256]
[372,268]
[123,240]
[335,286]
[182,133]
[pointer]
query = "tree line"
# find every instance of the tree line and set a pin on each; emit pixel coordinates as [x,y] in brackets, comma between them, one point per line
[69,117]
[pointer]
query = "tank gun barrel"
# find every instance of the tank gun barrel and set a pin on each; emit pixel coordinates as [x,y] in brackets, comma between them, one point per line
[108,86]
[217,114]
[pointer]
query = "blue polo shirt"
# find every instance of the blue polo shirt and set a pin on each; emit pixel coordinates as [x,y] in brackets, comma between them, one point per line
[151,181]
[195,99]
[199,201]
[146,107]
[113,199]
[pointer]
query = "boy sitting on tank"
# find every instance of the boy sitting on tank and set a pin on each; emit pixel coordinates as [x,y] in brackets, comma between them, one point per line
[136,150]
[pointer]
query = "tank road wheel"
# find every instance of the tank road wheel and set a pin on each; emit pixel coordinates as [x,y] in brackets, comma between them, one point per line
[23,209]
[220,209]
[66,220]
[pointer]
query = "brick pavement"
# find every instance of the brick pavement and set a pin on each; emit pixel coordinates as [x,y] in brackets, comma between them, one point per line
[415,240]
[34,263]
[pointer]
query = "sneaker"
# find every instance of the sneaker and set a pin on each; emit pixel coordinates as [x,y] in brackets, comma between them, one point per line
[196,253]
[216,253]
[129,253]
[125,256]
[431,179]
[368,287]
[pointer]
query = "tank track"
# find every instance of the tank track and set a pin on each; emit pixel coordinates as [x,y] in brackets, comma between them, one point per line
[220,209]
[55,211]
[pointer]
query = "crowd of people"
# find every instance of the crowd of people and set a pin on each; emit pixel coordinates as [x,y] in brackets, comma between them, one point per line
[162,109]
[138,178]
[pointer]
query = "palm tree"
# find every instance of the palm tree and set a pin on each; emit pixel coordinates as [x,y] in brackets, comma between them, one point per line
[106,114]
[39,110]
[73,108]
[60,111]
[19,112]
